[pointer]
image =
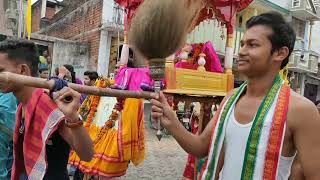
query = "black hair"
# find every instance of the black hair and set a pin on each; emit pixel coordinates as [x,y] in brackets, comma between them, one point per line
[22,51]
[130,64]
[131,54]
[93,75]
[56,71]
[283,34]
[43,69]
[71,70]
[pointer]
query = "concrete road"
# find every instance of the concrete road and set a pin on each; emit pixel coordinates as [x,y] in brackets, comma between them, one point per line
[165,160]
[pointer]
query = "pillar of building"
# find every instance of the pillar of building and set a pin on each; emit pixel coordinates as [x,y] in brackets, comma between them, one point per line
[310,34]
[228,62]
[104,53]
[43,9]
[105,38]
[302,83]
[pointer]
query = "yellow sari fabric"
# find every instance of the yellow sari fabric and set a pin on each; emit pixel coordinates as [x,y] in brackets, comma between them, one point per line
[118,146]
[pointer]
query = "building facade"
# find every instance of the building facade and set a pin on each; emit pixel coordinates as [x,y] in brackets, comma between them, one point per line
[97,23]
[12,16]
[304,60]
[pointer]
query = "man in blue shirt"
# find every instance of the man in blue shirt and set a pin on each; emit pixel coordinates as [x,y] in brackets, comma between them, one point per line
[8,107]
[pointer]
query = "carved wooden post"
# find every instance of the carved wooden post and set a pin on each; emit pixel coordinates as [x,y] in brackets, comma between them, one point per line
[157,72]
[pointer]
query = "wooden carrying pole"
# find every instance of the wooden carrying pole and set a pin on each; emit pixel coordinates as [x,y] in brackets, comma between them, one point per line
[7,78]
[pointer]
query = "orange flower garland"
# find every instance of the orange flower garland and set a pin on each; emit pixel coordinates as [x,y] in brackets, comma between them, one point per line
[94,104]
[196,52]
[90,105]
[89,108]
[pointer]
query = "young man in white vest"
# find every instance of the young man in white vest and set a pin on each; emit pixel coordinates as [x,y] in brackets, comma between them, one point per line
[261,126]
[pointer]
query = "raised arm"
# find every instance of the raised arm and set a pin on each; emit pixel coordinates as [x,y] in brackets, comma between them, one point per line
[71,130]
[79,140]
[192,144]
[197,145]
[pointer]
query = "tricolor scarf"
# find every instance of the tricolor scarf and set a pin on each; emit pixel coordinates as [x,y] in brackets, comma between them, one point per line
[42,118]
[264,145]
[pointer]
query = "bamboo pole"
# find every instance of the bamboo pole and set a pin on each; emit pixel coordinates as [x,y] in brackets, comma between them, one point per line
[7,78]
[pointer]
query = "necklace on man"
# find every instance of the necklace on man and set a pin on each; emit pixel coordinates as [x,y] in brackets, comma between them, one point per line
[21,129]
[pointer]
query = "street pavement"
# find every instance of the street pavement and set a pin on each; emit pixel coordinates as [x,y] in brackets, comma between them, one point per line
[165,160]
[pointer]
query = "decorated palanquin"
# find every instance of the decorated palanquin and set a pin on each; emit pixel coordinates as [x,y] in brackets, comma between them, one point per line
[199,56]
[197,72]
[195,81]
[116,126]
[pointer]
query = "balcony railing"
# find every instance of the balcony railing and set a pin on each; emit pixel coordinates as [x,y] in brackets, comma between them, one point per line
[304,61]
[302,10]
[314,60]
[118,15]
[116,18]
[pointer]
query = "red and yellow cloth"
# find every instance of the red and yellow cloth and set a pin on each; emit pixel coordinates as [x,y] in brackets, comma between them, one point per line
[42,118]
[118,145]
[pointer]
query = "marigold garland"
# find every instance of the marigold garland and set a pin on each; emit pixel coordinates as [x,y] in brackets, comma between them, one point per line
[89,107]
[196,52]
[94,104]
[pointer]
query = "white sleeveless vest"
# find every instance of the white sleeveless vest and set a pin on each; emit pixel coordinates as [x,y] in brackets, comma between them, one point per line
[235,146]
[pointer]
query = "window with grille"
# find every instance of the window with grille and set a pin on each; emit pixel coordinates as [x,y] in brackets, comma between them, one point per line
[316,4]
[295,3]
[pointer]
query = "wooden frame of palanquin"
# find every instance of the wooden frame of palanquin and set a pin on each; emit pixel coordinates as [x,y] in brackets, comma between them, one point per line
[196,86]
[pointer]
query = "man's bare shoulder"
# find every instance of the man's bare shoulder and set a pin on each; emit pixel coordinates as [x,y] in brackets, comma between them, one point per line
[301,110]
[300,103]
[231,92]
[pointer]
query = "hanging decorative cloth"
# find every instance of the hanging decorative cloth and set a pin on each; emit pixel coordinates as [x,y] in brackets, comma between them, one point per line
[117,129]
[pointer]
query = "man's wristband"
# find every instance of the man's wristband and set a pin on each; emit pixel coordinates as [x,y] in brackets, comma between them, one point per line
[73,124]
